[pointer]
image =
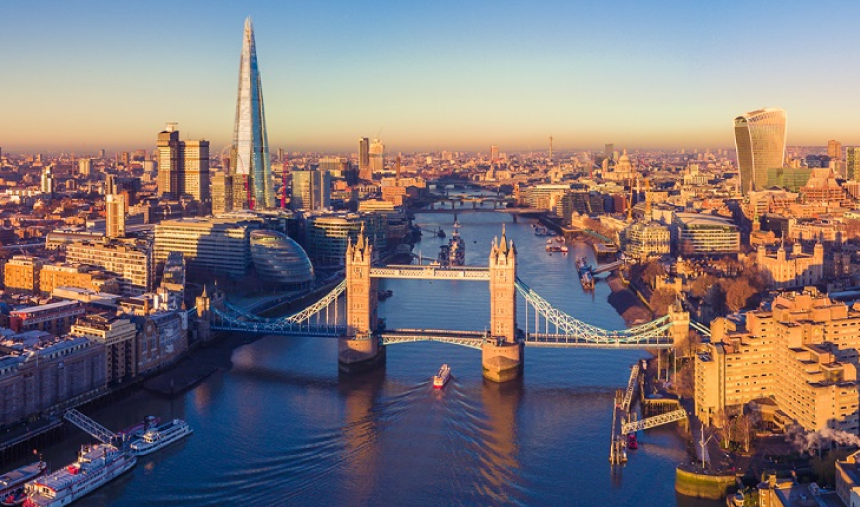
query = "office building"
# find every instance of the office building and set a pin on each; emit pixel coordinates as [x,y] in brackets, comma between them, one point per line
[115,216]
[801,353]
[47,185]
[161,339]
[250,153]
[85,166]
[183,166]
[130,263]
[647,239]
[22,272]
[834,149]
[311,190]
[700,234]
[222,192]
[214,245]
[328,235]
[608,151]
[760,145]
[377,157]
[364,159]
[494,154]
[852,163]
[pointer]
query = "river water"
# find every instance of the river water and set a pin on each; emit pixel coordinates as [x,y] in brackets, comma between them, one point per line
[283,427]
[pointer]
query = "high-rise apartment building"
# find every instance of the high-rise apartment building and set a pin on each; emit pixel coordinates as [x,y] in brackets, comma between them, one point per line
[250,154]
[183,166]
[115,216]
[377,156]
[311,190]
[834,149]
[132,264]
[48,180]
[760,145]
[852,163]
[364,159]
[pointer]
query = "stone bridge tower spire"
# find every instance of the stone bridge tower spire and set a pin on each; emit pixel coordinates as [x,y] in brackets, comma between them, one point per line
[502,353]
[359,348]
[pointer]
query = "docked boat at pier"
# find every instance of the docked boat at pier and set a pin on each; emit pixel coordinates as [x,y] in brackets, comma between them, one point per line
[586,278]
[96,465]
[442,377]
[156,437]
[12,483]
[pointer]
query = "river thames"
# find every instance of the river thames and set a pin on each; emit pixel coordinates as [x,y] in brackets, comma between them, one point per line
[283,427]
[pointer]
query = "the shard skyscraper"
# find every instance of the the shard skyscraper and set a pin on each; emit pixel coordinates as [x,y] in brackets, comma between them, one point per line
[249,159]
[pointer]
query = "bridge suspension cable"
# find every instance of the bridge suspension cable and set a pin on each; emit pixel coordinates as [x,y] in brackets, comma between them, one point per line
[296,318]
[565,325]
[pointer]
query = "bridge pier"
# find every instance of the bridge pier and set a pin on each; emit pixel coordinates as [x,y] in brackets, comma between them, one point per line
[502,361]
[359,353]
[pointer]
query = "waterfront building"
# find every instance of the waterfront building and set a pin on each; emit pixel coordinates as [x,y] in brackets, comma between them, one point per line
[130,262]
[209,245]
[760,145]
[183,166]
[328,235]
[852,163]
[22,272]
[54,318]
[38,376]
[795,269]
[364,172]
[801,353]
[647,239]
[546,196]
[115,216]
[80,276]
[250,153]
[311,190]
[281,261]
[117,334]
[700,234]
[162,337]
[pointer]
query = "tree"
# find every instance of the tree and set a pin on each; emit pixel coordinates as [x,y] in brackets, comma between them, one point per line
[701,285]
[739,293]
[745,424]
[653,271]
[661,300]
[724,422]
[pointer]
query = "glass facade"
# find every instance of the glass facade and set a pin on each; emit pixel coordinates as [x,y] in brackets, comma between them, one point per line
[281,261]
[760,144]
[250,153]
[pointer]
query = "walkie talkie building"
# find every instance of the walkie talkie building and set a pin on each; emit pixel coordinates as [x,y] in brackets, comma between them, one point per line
[250,154]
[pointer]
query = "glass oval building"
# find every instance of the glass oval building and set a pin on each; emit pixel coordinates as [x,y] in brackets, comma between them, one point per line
[281,261]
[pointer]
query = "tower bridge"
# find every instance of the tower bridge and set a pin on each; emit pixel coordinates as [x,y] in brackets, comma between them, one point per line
[363,339]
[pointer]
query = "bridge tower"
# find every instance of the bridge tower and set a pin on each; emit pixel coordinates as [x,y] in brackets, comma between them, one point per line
[359,349]
[680,320]
[502,355]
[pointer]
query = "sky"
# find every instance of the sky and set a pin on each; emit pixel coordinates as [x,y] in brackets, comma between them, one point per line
[427,76]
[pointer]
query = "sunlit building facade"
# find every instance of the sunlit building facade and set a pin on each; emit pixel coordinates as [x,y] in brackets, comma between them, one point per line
[760,144]
[250,153]
[281,261]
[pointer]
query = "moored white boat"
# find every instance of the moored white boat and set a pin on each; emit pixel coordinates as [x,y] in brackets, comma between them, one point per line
[96,465]
[12,483]
[157,437]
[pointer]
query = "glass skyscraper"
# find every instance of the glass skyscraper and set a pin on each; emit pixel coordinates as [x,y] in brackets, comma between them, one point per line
[250,153]
[760,144]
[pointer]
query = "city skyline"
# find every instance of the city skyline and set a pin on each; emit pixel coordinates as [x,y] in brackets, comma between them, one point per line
[457,78]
